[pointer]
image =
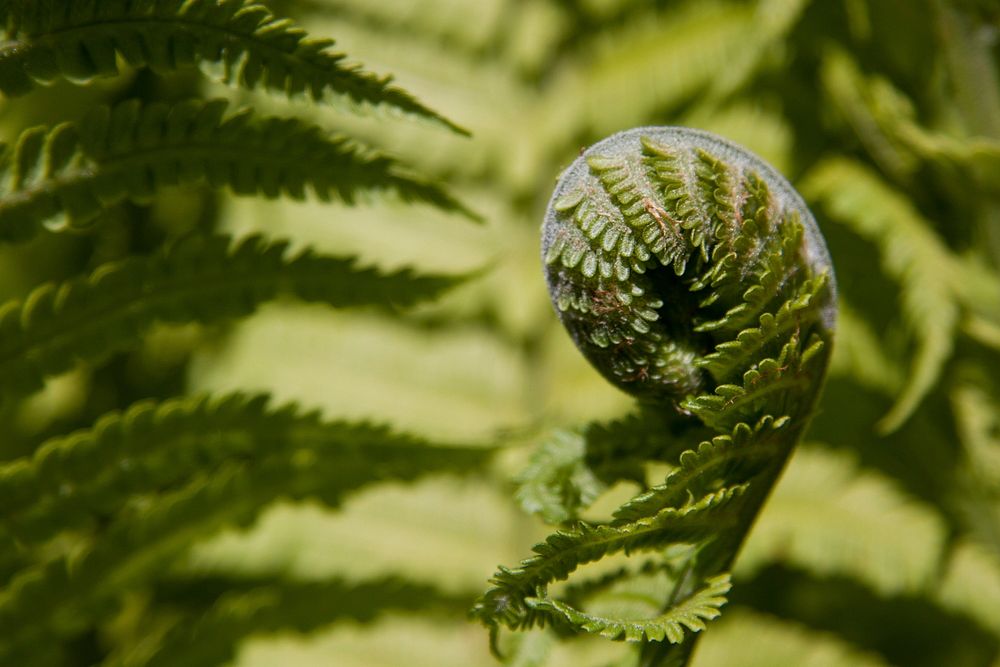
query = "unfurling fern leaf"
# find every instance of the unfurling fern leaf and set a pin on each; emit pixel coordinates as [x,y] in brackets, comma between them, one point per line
[241,40]
[196,279]
[130,150]
[691,613]
[693,277]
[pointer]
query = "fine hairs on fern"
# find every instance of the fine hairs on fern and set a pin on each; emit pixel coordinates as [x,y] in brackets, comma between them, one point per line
[692,276]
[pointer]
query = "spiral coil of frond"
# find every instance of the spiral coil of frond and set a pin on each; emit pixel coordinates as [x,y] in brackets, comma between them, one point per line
[692,276]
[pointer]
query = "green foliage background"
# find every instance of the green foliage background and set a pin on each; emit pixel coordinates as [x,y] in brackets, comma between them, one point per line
[881,544]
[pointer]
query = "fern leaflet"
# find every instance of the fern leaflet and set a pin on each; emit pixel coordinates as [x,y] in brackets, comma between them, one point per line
[238,40]
[563,552]
[238,609]
[130,150]
[196,279]
[138,487]
[912,254]
[690,612]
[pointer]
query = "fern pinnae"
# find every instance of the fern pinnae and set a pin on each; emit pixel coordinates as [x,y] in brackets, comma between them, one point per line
[255,607]
[196,279]
[208,464]
[509,601]
[725,334]
[71,482]
[130,150]
[690,612]
[911,254]
[241,40]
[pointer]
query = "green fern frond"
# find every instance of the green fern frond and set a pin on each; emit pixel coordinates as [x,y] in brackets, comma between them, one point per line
[820,519]
[748,639]
[971,584]
[654,62]
[860,355]
[690,613]
[240,609]
[130,150]
[197,279]
[70,482]
[774,383]
[558,483]
[137,488]
[736,458]
[564,551]
[239,40]
[912,253]
[885,120]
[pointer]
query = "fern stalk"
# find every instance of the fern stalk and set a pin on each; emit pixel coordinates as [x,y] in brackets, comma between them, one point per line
[692,276]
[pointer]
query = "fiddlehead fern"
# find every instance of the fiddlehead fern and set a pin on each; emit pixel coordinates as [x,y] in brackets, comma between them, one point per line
[692,276]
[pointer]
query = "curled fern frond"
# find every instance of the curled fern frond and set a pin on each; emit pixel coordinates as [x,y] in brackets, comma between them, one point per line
[197,279]
[512,600]
[571,468]
[139,486]
[665,247]
[690,612]
[238,40]
[693,277]
[557,482]
[130,150]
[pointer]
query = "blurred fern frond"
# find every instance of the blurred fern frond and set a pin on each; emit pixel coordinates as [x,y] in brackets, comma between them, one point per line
[136,488]
[911,253]
[254,608]
[198,279]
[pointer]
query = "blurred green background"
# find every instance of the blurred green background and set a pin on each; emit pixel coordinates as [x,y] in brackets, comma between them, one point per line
[881,545]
